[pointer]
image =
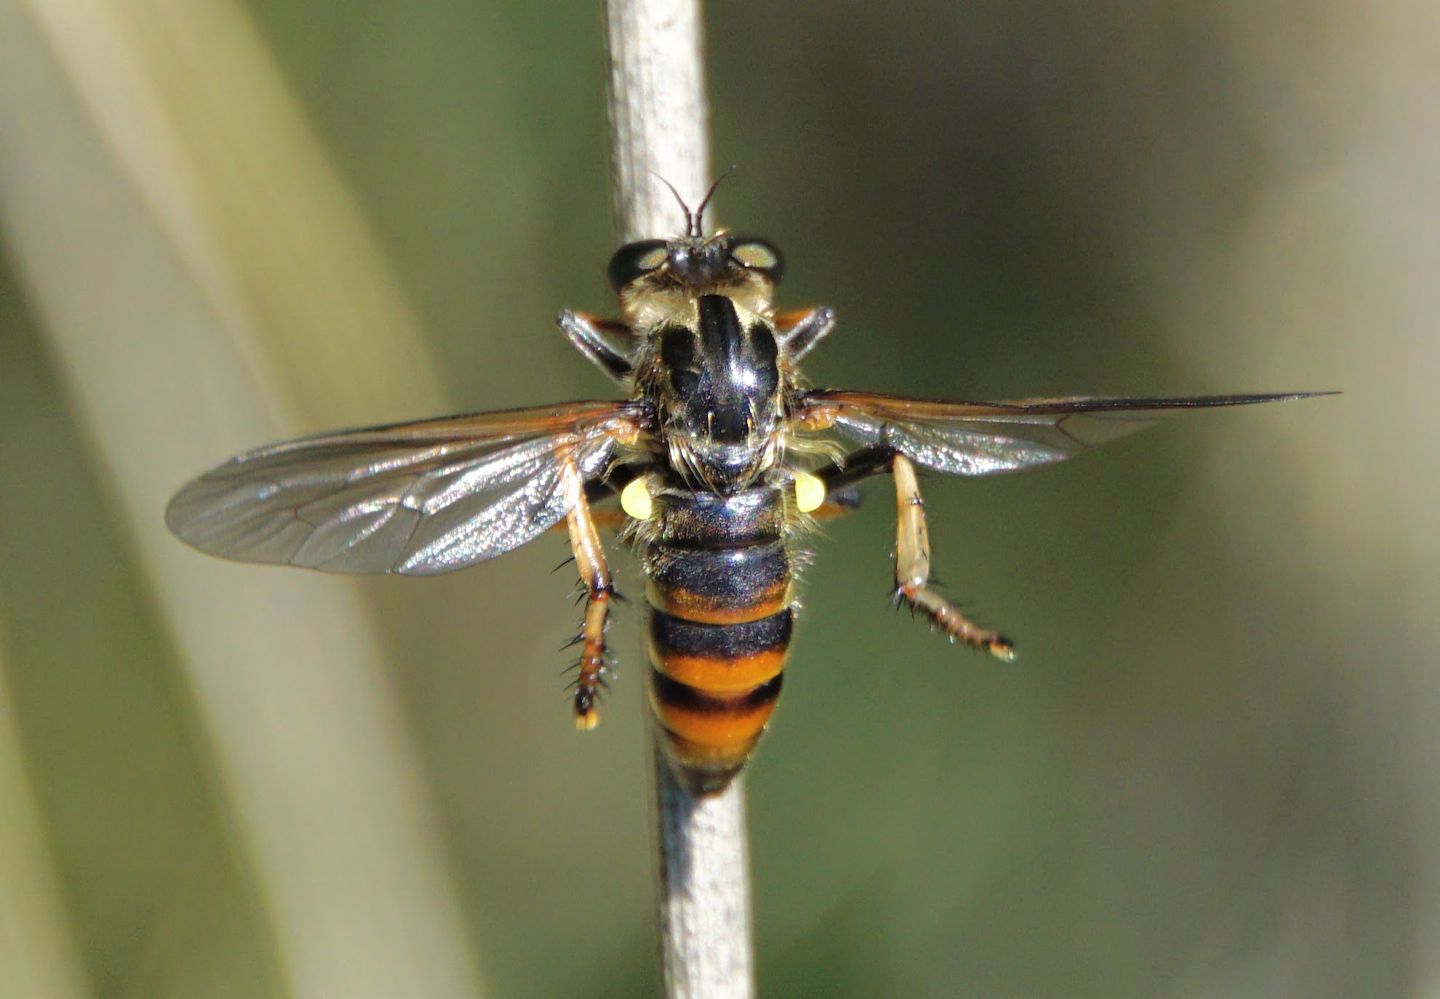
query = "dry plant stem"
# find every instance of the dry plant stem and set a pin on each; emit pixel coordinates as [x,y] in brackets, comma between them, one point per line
[659,123]
[659,119]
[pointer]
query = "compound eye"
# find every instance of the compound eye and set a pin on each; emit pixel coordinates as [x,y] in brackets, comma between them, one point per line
[635,260]
[757,255]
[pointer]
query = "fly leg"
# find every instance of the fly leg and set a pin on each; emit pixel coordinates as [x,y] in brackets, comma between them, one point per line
[802,329]
[611,518]
[595,578]
[609,343]
[912,569]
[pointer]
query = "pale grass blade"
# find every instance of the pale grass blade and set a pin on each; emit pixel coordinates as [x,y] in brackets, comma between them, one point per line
[38,955]
[202,281]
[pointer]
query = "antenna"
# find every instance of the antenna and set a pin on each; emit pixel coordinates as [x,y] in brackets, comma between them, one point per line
[693,220]
[690,219]
[700,212]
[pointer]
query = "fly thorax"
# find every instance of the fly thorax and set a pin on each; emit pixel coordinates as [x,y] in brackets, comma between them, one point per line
[718,390]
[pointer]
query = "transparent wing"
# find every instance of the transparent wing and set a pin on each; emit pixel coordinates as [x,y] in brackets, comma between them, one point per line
[413,498]
[985,438]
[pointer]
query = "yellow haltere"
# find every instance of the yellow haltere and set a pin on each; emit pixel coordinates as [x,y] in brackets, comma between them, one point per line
[809,491]
[635,499]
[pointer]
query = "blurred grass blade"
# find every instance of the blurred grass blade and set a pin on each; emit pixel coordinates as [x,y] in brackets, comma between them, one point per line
[201,279]
[38,956]
[200,123]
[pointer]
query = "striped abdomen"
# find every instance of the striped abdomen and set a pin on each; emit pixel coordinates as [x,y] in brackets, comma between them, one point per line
[719,586]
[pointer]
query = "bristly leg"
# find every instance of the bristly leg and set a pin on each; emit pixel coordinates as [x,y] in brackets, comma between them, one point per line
[912,570]
[597,591]
[802,329]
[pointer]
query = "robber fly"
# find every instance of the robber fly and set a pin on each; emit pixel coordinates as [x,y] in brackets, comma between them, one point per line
[720,457]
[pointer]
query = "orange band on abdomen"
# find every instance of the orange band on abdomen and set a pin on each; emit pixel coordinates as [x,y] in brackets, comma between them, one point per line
[721,676]
[710,720]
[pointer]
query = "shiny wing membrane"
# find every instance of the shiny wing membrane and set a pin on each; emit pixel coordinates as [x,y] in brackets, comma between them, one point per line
[412,498]
[985,438]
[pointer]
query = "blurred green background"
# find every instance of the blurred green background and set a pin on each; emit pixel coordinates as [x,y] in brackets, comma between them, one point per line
[1212,772]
